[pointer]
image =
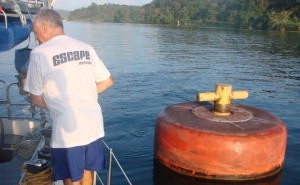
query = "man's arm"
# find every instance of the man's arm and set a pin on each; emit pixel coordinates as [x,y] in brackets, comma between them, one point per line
[38,101]
[103,85]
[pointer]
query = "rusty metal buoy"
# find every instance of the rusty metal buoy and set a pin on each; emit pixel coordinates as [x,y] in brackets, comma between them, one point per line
[220,141]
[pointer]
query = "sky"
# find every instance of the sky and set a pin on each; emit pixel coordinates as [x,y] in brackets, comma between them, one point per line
[75,4]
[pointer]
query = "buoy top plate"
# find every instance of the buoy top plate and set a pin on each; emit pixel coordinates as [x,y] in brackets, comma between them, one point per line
[243,120]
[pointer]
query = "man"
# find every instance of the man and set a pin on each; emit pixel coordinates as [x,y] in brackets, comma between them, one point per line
[65,77]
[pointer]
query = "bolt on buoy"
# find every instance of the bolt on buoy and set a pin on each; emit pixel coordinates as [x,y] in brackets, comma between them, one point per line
[222,98]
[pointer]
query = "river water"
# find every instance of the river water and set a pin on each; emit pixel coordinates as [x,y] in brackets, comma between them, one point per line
[156,66]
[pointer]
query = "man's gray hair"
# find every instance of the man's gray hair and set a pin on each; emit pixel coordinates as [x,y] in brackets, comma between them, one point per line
[51,17]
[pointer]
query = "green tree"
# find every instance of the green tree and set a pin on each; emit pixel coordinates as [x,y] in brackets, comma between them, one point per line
[254,14]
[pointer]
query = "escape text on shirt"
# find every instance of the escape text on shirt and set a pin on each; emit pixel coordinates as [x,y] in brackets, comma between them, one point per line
[71,56]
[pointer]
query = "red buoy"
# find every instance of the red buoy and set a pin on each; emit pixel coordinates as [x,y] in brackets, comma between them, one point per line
[248,144]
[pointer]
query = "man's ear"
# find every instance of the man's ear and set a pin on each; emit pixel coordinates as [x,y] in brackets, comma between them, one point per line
[44,27]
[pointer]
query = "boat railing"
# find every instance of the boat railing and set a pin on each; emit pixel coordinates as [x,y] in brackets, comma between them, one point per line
[9,104]
[2,99]
[39,3]
[112,158]
[18,10]
[5,16]
[25,7]
[36,3]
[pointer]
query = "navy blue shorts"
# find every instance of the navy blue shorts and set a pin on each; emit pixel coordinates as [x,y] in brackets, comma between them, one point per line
[71,162]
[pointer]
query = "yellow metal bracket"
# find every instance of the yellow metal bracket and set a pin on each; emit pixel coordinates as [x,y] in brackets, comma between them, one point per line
[222,97]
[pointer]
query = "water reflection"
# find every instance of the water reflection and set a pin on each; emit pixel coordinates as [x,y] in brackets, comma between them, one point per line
[165,176]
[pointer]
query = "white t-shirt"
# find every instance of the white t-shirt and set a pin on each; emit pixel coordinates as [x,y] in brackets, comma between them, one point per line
[65,72]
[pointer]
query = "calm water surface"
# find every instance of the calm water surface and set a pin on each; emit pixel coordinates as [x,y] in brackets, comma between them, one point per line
[156,66]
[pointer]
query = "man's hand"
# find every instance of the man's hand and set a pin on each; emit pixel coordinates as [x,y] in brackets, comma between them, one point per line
[103,85]
[38,100]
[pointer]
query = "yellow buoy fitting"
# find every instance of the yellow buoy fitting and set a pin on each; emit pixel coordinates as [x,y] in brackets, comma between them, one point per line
[222,96]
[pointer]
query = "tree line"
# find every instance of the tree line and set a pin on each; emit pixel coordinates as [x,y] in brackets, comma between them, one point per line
[250,14]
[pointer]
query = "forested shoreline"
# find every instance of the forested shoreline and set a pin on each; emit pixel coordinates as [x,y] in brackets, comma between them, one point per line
[250,14]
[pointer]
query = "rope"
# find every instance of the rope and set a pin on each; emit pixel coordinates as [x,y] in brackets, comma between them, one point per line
[41,178]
